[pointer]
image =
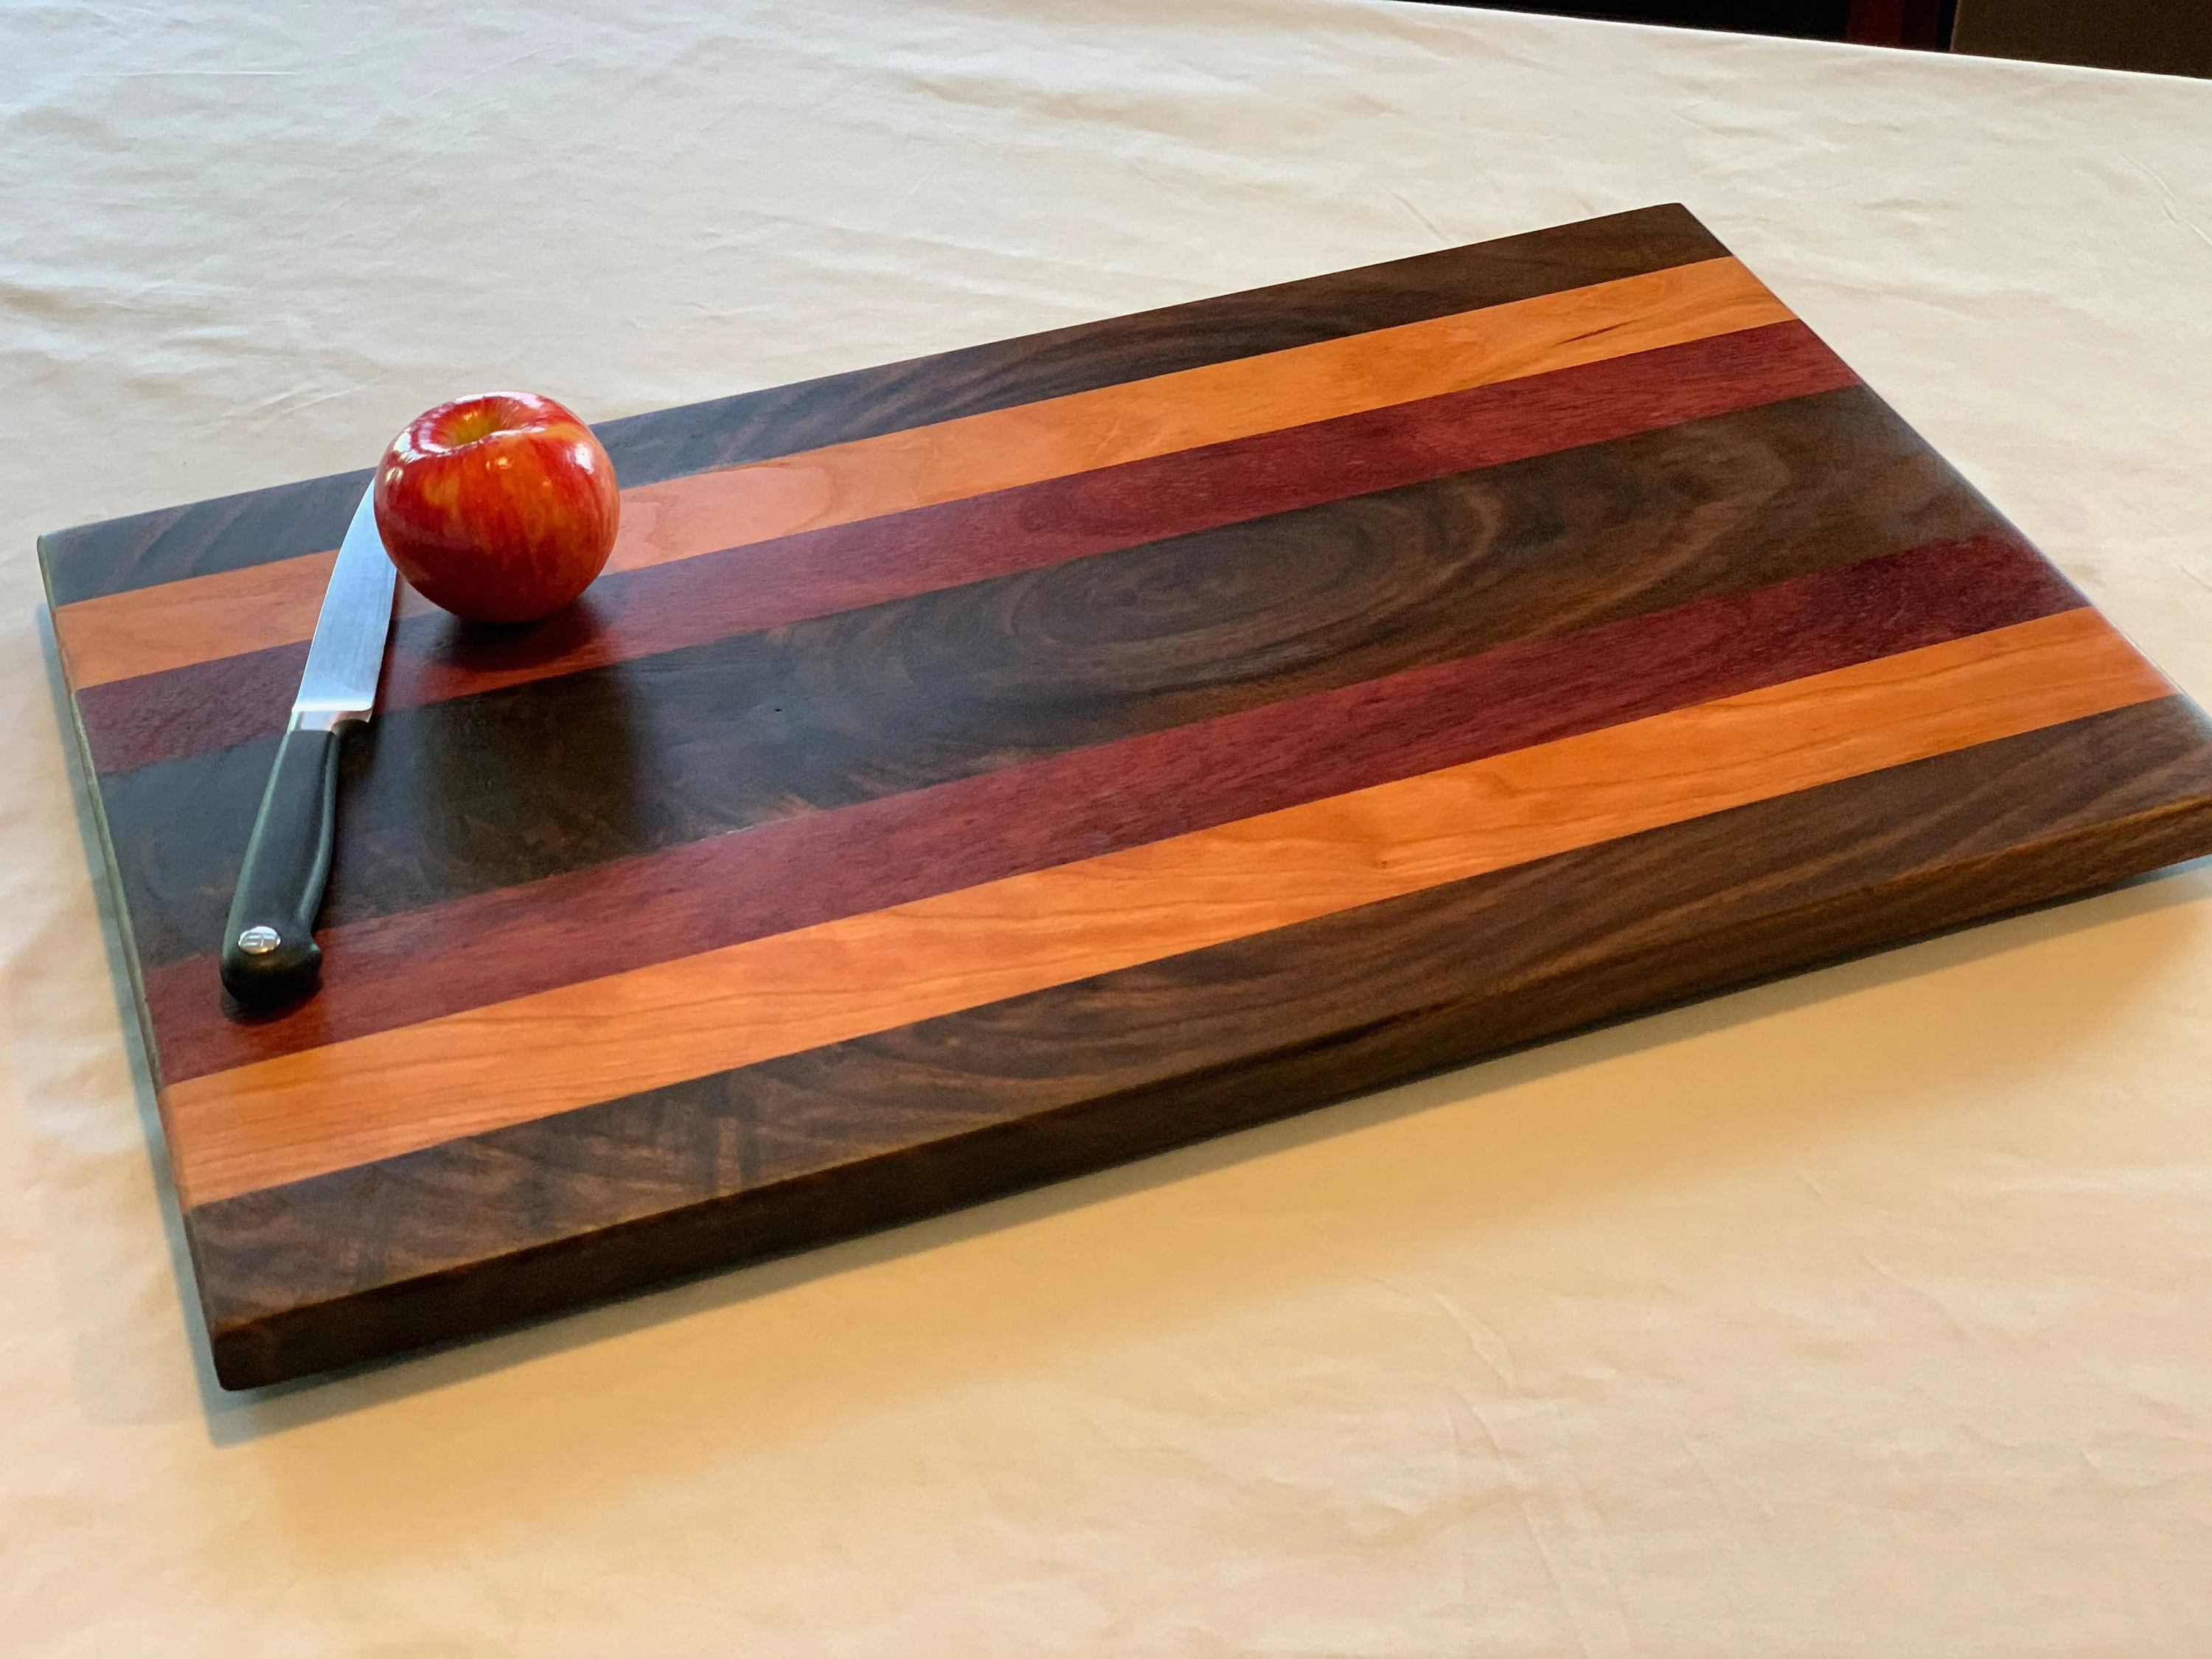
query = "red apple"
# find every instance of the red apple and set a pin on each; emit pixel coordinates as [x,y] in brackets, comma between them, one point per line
[501,508]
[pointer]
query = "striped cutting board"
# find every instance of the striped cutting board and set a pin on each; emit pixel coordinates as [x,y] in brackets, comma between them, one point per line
[976,770]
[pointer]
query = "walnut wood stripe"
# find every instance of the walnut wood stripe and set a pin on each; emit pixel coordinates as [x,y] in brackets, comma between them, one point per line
[795,873]
[147,631]
[515,785]
[612,1197]
[372,1096]
[238,531]
[136,721]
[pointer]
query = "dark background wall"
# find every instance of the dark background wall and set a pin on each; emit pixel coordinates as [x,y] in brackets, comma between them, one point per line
[1885,22]
[1819,20]
[2170,37]
[2166,37]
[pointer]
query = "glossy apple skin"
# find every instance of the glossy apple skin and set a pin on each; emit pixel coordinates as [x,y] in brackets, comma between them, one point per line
[501,507]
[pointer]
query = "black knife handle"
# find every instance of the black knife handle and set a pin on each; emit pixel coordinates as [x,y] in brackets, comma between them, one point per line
[269,951]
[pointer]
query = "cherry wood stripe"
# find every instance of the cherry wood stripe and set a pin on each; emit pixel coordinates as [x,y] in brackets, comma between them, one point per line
[795,873]
[517,785]
[721,1169]
[147,631]
[372,1096]
[631,613]
[238,530]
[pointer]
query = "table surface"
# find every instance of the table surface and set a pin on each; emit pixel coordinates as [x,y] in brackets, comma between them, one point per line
[1864,1312]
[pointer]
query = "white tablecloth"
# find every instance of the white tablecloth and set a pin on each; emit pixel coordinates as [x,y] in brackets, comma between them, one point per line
[1867,1313]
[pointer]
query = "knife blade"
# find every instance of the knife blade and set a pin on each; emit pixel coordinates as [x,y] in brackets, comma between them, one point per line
[269,949]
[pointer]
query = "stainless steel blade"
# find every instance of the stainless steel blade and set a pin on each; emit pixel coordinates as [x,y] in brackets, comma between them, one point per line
[348,652]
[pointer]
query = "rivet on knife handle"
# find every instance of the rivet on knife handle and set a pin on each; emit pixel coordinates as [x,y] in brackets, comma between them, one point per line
[269,951]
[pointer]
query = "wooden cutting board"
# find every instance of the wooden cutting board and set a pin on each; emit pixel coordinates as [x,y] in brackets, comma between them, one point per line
[976,770]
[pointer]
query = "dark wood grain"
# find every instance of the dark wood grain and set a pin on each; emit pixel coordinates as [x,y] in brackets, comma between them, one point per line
[502,1226]
[794,872]
[515,785]
[631,613]
[234,531]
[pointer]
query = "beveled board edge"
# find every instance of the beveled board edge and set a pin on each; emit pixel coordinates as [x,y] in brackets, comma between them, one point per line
[85,775]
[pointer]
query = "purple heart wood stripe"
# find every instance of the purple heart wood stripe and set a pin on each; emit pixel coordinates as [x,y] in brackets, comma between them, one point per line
[978,769]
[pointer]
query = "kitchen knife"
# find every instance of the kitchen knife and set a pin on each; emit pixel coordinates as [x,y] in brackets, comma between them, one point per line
[269,949]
